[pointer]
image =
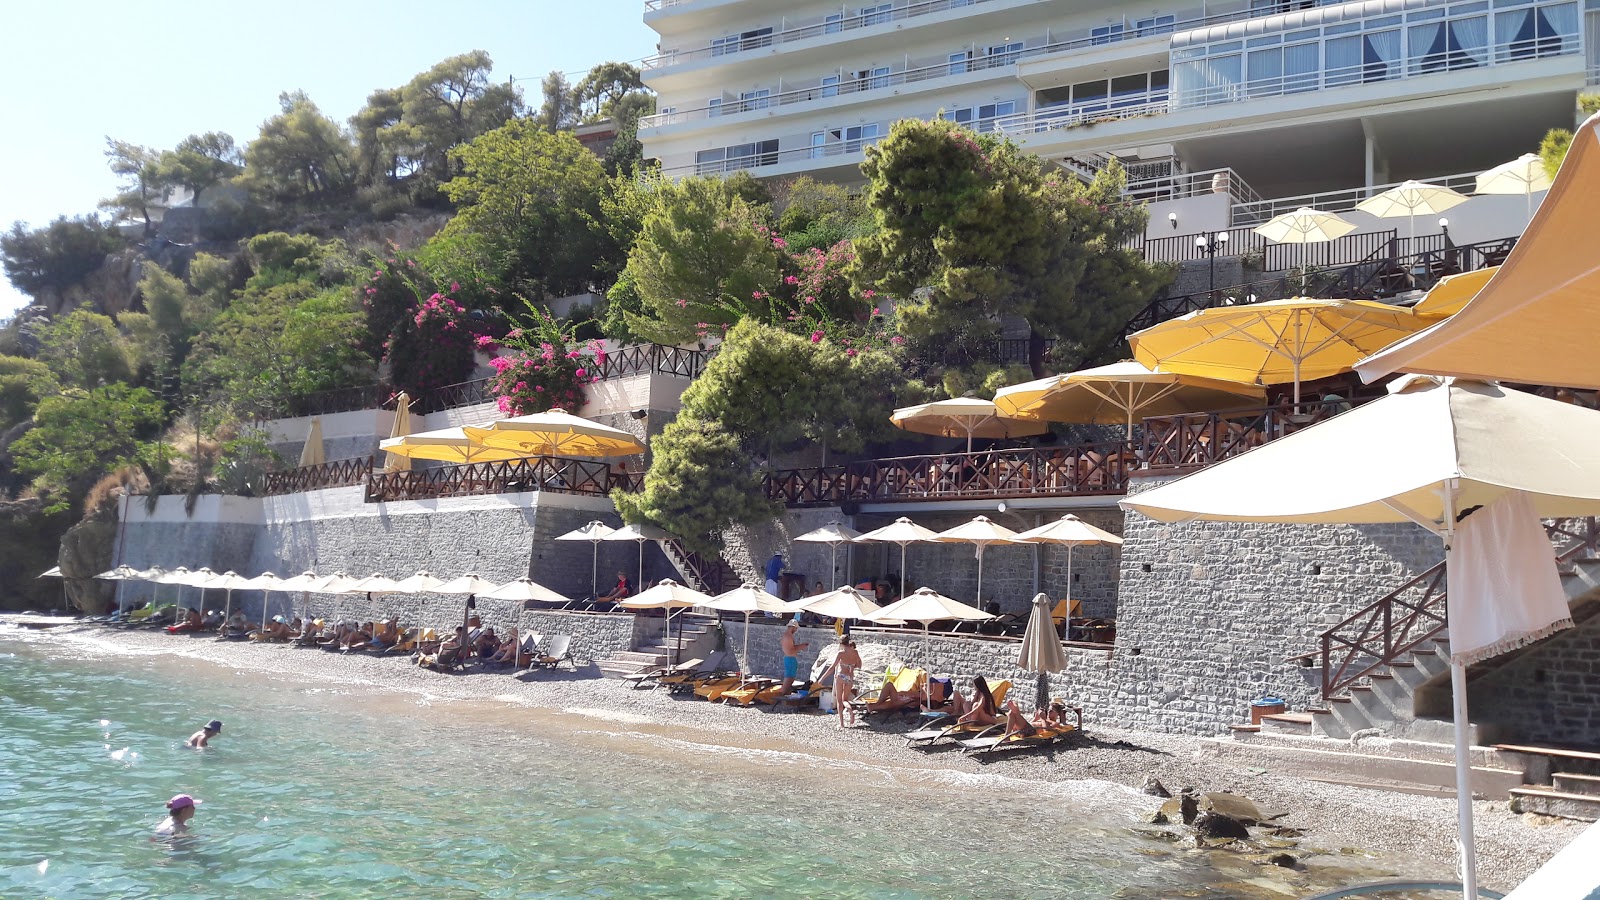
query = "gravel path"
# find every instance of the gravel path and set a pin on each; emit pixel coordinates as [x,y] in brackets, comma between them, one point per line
[1388,828]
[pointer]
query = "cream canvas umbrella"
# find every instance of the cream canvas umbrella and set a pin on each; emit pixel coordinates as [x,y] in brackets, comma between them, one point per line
[197,579]
[594,532]
[55,572]
[1524,175]
[421,582]
[901,531]
[301,584]
[843,603]
[1041,651]
[1120,393]
[1535,321]
[1305,226]
[175,578]
[980,532]
[556,433]
[398,462]
[466,584]
[671,596]
[640,534]
[927,606]
[1068,531]
[120,573]
[1469,446]
[265,582]
[229,581]
[962,417]
[374,584]
[1410,198]
[449,445]
[832,534]
[311,453]
[747,599]
[1277,342]
[524,591]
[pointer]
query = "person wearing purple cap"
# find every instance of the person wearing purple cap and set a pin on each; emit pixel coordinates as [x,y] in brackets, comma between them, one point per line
[203,737]
[180,810]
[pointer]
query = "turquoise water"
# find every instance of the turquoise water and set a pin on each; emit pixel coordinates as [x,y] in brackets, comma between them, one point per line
[312,792]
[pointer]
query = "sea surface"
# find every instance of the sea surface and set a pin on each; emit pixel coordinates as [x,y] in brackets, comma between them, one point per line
[314,791]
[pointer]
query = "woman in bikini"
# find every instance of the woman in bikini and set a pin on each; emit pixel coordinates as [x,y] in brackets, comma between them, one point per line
[982,710]
[844,668]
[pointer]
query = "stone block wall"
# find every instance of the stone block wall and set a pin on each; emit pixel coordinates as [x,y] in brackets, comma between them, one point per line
[1547,694]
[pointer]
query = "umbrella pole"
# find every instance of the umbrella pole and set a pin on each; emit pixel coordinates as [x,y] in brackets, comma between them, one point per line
[1296,362]
[1469,861]
[979,604]
[902,570]
[638,585]
[594,570]
[833,571]
[1066,625]
[744,664]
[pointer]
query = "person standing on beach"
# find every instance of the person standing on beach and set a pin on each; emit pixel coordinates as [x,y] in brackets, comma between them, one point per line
[774,572]
[844,668]
[202,738]
[180,810]
[791,656]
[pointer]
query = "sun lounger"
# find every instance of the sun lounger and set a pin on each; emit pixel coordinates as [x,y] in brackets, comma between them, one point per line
[446,660]
[750,689]
[713,689]
[650,676]
[528,650]
[1002,743]
[557,652]
[905,681]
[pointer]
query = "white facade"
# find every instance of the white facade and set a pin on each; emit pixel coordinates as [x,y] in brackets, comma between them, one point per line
[1288,96]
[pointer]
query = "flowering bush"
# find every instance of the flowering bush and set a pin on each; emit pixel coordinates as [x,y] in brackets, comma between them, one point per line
[434,347]
[543,368]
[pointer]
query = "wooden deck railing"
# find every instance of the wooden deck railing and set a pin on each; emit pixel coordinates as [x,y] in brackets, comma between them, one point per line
[539,473]
[1399,621]
[1100,468]
[337,473]
[1199,439]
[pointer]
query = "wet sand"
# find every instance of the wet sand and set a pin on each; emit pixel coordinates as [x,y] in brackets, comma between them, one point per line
[1378,832]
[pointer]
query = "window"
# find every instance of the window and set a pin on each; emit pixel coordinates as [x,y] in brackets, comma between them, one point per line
[830,86]
[958,63]
[833,23]
[1130,90]
[1529,33]
[877,15]
[755,99]
[843,140]
[1155,25]
[714,107]
[753,40]
[819,144]
[736,157]
[1005,54]
[1105,34]
[981,118]
[873,79]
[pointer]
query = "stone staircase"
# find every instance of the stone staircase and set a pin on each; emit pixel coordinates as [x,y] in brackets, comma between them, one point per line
[696,637]
[710,575]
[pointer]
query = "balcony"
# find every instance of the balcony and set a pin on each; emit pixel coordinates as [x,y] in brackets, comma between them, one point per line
[1082,469]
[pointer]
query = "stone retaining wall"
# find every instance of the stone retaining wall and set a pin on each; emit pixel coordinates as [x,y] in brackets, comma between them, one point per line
[1547,694]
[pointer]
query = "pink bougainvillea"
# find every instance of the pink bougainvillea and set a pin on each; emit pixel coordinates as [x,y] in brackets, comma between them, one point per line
[544,368]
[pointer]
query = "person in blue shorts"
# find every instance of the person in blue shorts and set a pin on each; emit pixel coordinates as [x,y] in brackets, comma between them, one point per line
[791,655]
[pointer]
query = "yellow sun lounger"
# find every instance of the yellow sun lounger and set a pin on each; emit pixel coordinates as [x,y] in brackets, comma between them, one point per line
[714,689]
[747,692]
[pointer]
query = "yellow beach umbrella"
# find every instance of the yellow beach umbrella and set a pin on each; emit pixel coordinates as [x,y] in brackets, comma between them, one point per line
[399,462]
[1119,393]
[1535,322]
[1277,342]
[446,445]
[1524,175]
[311,454]
[1410,198]
[966,417]
[555,433]
[1452,293]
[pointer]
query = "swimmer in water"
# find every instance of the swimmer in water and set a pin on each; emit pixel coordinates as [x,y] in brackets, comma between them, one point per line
[202,738]
[180,810]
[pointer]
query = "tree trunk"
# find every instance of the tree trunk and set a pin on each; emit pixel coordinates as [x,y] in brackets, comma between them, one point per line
[1035,352]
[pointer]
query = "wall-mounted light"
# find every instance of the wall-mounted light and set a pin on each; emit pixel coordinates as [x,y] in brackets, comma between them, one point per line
[1443,222]
[1172,219]
[1002,506]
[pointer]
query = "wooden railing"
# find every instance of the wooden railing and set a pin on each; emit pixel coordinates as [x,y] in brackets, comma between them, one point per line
[1398,622]
[539,473]
[1100,468]
[337,473]
[1194,440]
[710,575]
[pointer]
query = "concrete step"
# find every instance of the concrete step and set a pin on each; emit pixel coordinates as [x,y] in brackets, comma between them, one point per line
[1375,708]
[640,657]
[1286,723]
[613,669]
[1349,716]
[1548,801]
[1566,782]
[1406,673]
[1542,762]
[1341,762]
[1243,728]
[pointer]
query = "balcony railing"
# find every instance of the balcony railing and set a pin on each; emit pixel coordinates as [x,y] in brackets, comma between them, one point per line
[1195,440]
[337,473]
[1182,185]
[833,150]
[1100,468]
[1259,211]
[539,473]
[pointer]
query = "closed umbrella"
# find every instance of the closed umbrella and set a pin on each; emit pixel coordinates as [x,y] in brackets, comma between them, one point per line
[962,417]
[311,453]
[640,534]
[832,534]
[747,598]
[449,445]
[1525,175]
[1120,393]
[1535,322]
[980,532]
[1452,293]
[1410,198]
[1041,650]
[1469,445]
[402,426]
[901,531]
[1277,342]
[556,433]
[670,596]
[1068,531]
[594,532]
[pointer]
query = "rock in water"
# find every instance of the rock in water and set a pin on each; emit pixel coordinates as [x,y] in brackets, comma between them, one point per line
[1220,825]
[1189,806]
[1159,817]
[1234,807]
[1287,860]
[1153,786]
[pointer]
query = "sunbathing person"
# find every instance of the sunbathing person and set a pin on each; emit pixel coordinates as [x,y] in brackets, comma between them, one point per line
[487,644]
[620,592]
[238,624]
[275,630]
[891,698]
[943,697]
[191,622]
[1017,722]
[506,655]
[384,636]
[360,638]
[982,710]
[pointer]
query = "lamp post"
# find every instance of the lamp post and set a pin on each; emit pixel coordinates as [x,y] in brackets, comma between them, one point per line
[1210,242]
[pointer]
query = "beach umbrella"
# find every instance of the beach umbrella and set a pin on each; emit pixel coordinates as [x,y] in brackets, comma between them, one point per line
[468,584]
[556,433]
[843,603]
[421,582]
[302,584]
[524,591]
[747,598]
[1408,199]
[962,417]
[229,581]
[176,578]
[265,582]
[901,531]
[980,532]
[1305,226]
[1041,650]
[449,445]
[640,534]
[1119,393]
[1478,456]
[311,453]
[120,573]
[1280,341]
[52,572]
[594,532]
[1068,531]
[832,534]
[374,584]
[1534,322]
[1453,292]
[1525,175]
[398,462]
[197,579]
[668,595]
[927,606]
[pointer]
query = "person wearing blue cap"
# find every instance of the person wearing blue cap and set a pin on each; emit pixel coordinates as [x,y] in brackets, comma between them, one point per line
[203,737]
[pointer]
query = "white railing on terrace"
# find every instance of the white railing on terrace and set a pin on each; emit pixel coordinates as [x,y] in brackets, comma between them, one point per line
[733,164]
[1054,118]
[1182,185]
[1258,211]
[1592,77]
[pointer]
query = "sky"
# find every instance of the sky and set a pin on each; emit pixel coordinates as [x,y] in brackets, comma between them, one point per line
[153,74]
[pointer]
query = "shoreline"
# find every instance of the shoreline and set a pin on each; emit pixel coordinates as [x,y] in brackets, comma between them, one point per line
[1406,834]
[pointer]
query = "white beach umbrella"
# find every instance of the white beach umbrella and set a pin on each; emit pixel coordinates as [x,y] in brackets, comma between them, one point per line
[197,579]
[265,582]
[176,578]
[639,533]
[901,531]
[375,584]
[303,585]
[524,591]
[747,598]
[843,603]
[1305,226]
[120,573]
[980,532]
[421,582]
[925,605]
[1409,199]
[1068,531]
[470,583]
[962,417]
[229,581]
[670,596]
[593,532]
[1525,175]
[833,534]
[311,452]
[54,572]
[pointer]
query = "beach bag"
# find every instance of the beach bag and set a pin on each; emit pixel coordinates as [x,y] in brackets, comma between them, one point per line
[825,701]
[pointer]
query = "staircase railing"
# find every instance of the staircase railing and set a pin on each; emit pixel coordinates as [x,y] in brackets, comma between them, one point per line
[708,575]
[1383,632]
